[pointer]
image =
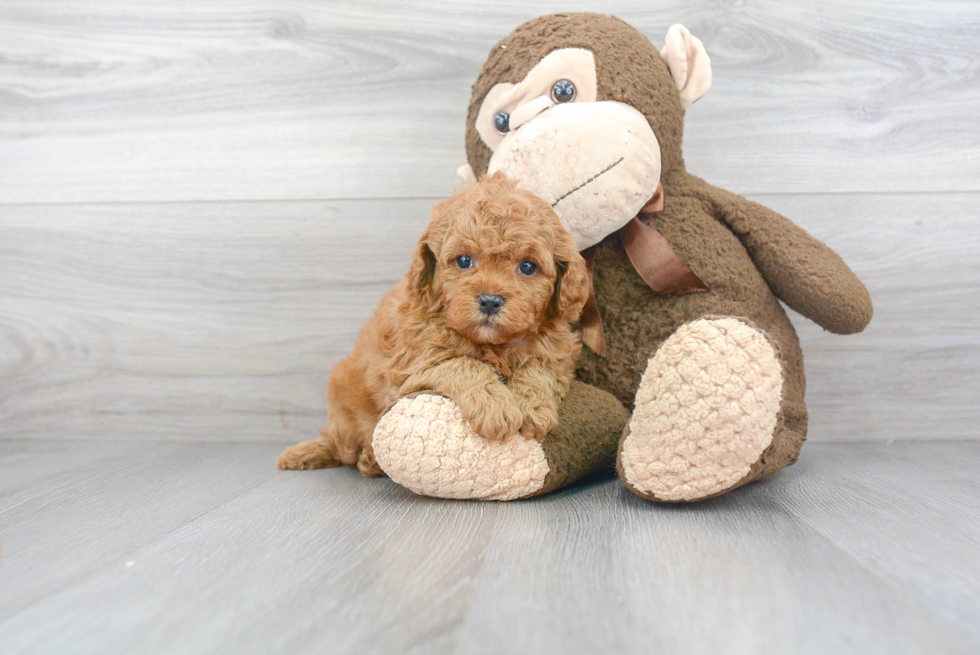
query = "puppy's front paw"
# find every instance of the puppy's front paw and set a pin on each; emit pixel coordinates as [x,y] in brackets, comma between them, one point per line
[493,414]
[539,422]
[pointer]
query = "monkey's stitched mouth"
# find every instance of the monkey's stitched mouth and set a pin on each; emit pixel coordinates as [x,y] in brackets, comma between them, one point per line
[590,180]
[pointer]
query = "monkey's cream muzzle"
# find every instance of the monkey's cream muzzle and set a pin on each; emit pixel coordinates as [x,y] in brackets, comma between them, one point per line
[597,163]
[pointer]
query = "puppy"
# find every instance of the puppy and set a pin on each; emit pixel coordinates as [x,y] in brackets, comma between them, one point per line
[482,317]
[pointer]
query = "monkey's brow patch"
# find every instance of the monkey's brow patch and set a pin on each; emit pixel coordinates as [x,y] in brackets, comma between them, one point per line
[591,179]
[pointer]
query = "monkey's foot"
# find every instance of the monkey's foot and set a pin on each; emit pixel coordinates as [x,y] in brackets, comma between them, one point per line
[706,411]
[424,443]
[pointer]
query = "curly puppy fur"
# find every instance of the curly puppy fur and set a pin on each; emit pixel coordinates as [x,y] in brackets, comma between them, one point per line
[507,371]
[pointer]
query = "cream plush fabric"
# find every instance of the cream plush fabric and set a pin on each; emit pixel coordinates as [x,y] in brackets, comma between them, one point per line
[705,411]
[689,63]
[424,443]
[532,95]
[611,165]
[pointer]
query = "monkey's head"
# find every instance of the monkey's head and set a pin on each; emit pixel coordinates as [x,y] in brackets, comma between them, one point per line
[585,112]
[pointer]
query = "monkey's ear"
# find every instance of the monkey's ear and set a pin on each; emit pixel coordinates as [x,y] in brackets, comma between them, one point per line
[689,64]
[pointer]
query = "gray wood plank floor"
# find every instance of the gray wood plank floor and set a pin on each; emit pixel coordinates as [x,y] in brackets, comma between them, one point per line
[119,547]
[200,203]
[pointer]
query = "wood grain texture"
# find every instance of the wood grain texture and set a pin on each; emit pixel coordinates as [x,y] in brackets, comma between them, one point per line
[89,503]
[914,373]
[223,320]
[200,204]
[843,503]
[199,321]
[166,101]
[862,548]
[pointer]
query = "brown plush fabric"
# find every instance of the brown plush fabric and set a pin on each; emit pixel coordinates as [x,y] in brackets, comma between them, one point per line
[746,254]
[802,272]
[590,422]
[628,67]
[786,441]
[637,320]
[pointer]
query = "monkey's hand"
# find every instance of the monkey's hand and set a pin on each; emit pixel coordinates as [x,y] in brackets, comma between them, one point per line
[802,271]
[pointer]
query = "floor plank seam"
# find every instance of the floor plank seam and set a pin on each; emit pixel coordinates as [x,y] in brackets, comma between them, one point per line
[904,592]
[81,579]
[97,469]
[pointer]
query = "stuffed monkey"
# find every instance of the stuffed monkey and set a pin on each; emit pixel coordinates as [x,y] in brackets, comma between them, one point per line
[684,327]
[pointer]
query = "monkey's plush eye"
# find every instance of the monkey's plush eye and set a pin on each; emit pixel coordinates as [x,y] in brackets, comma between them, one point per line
[464,262]
[563,91]
[527,267]
[502,122]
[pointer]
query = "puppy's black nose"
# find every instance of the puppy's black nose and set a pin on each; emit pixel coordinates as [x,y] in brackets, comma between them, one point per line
[490,305]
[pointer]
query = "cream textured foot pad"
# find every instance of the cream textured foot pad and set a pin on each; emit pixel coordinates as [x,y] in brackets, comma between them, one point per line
[425,444]
[705,411]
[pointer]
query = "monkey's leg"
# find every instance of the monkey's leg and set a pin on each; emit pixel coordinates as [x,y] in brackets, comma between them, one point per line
[715,409]
[423,443]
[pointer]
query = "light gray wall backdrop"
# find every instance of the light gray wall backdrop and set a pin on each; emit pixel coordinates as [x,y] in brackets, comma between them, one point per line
[201,202]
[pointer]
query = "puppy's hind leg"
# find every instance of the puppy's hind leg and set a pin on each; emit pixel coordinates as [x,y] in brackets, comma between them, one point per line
[315,454]
[367,464]
[346,441]
[351,417]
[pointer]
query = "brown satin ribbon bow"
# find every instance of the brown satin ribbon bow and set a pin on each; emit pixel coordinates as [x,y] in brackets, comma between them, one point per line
[653,259]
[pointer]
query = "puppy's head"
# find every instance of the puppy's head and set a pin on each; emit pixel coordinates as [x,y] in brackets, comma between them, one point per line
[497,263]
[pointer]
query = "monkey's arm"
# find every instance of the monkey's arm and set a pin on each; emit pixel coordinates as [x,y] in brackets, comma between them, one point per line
[802,271]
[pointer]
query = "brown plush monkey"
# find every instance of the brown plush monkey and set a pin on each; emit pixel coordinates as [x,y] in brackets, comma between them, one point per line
[586,113]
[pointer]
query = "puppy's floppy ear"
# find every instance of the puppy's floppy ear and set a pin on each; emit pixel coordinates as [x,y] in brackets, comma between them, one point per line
[572,281]
[423,271]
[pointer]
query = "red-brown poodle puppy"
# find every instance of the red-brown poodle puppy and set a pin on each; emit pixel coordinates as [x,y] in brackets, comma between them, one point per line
[482,318]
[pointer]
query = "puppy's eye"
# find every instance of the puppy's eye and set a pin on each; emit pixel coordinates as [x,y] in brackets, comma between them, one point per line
[527,267]
[502,122]
[563,91]
[464,262]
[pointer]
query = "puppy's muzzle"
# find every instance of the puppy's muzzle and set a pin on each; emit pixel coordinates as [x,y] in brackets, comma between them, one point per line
[490,304]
